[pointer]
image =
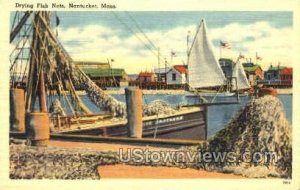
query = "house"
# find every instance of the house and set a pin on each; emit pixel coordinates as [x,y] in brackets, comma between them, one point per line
[146,77]
[278,76]
[132,77]
[273,73]
[106,77]
[226,66]
[161,74]
[177,75]
[286,76]
[253,72]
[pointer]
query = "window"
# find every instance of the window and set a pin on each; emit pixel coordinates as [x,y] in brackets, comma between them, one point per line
[174,76]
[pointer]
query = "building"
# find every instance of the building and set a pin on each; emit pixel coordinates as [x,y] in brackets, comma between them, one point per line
[177,75]
[102,73]
[278,77]
[253,72]
[161,74]
[106,77]
[132,77]
[286,76]
[226,66]
[94,65]
[273,73]
[146,77]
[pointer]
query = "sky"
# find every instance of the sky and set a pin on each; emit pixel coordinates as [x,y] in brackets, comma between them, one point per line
[124,36]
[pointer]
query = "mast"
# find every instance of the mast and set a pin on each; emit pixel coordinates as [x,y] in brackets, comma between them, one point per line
[158,59]
[36,83]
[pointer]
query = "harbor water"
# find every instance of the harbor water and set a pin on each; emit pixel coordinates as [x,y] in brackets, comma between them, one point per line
[218,115]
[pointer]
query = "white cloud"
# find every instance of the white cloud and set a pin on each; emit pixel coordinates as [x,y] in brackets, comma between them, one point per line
[97,43]
[273,44]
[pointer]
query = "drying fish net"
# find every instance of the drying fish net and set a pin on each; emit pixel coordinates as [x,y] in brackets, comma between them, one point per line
[117,108]
[28,162]
[157,107]
[258,133]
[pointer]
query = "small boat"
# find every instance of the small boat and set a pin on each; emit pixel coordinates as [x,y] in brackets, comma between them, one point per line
[205,71]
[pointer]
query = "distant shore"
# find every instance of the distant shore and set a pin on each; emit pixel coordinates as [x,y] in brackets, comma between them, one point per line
[171,92]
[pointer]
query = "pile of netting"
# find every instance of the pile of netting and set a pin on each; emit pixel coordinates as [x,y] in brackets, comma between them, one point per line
[256,143]
[157,107]
[27,162]
[259,140]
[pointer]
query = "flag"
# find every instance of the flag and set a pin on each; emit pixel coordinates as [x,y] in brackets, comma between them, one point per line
[225,45]
[258,57]
[241,56]
[173,54]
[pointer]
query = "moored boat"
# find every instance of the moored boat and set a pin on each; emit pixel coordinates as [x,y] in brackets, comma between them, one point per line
[186,123]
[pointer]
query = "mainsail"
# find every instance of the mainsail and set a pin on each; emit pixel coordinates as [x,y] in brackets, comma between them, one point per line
[204,69]
[239,73]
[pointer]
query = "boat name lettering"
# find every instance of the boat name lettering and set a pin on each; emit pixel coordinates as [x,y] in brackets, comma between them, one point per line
[166,120]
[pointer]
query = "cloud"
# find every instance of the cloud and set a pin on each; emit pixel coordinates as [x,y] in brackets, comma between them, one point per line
[273,44]
[99,43]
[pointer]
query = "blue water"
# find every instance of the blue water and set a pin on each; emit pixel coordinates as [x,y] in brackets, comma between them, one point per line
[218,115]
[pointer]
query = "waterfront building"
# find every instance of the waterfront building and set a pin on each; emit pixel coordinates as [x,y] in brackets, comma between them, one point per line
[102,74]
[146,77]
[226,66]
[92,65]
[177,75]
[286,76]
[278,77]
[253,72]
[161,74]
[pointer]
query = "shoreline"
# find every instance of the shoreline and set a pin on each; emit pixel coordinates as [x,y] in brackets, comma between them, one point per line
[285,91]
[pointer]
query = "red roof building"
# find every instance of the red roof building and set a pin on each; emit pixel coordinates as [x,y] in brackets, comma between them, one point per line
[286,76]
[287,71]
[146,77]
[181,69]
[177,75]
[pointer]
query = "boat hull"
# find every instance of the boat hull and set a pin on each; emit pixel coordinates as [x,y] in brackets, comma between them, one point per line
[192,125]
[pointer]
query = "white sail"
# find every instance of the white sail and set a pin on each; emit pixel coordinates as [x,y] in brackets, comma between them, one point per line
[204,69]
[239,73]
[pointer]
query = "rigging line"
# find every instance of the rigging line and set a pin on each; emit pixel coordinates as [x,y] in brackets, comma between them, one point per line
[149,48]
[18,54]
[14,21]
[119,19]
[139,28]
[145,35]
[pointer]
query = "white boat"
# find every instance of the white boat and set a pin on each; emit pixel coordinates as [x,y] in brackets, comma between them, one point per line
[240,75]
[205,71]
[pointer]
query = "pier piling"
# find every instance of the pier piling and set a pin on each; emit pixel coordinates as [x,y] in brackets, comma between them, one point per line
[38,128]
[17,109]
[134,112]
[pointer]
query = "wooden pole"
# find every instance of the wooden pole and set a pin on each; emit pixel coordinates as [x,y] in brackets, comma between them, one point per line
[134,112]
[42,93]
[17,109]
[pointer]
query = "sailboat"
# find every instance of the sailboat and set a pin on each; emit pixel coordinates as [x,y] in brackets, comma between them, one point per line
[205,72]
[241,78]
